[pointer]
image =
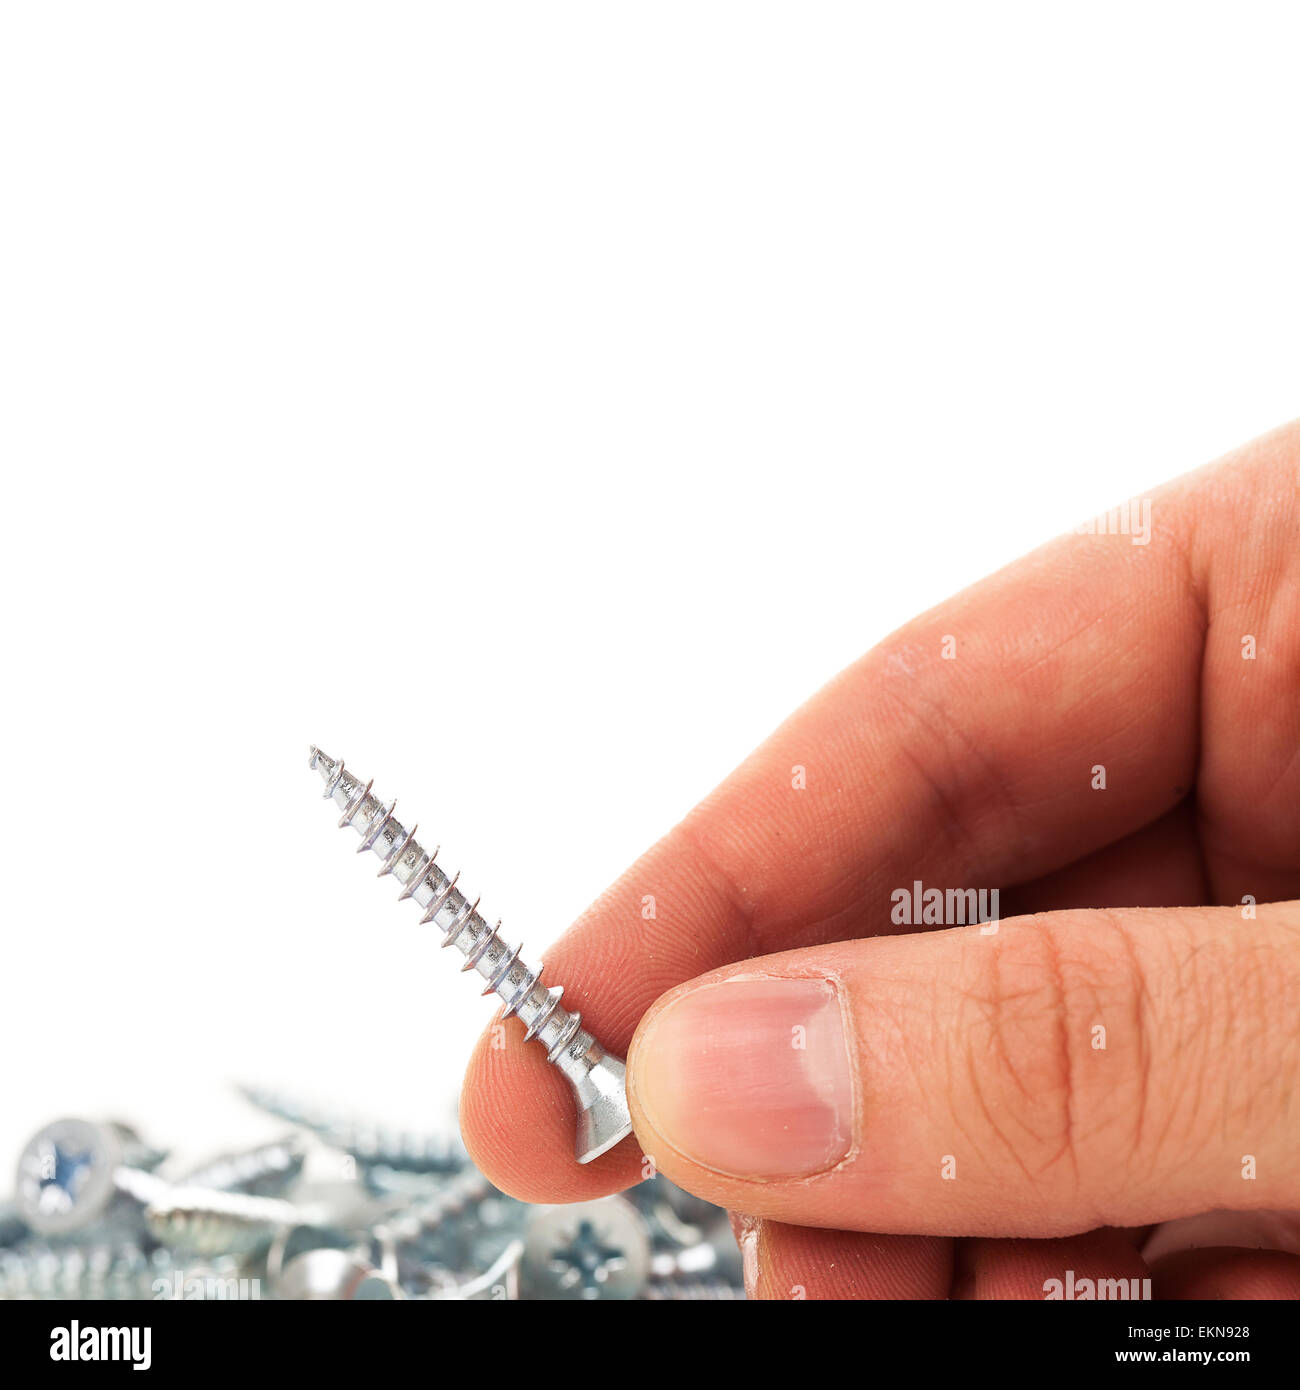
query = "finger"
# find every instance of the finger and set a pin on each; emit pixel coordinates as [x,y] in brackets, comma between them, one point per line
[1157,866]
[1247,546]
[801,1262]
[1224,1273]
[1067,1072]
[1254,1230]
[1043,1269]
[975,771]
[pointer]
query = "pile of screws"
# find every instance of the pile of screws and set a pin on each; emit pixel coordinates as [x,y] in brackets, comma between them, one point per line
[335,1209]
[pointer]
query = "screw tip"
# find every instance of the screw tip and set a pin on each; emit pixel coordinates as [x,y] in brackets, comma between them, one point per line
[321,762]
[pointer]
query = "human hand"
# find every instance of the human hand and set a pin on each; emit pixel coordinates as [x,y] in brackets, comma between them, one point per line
[1109,734]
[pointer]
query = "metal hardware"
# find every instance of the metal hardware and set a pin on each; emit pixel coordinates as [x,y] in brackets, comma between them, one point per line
[75,1173]
[442,1238]
[586,1250]
[596,1076]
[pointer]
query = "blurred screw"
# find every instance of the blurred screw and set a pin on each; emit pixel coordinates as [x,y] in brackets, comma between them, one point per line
[392,1184]
[674,1207]
[266,1171]
[74,1173]
[424,1241]
[370,1145]
[716,1261]
[210,1223]
[334,1274]
[70,1271]
[461,1195]
[136,1153]
[400,1152]
[428,1241]
[500,1282]
[680,1289]
[587,1250]
[596,1076]
[291,1241]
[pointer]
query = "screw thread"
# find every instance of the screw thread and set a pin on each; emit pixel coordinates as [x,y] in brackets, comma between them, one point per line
[372,1146]
[456,917]
[211,1222]
[461,1195]
[267,1170]
[675,1290]
[42,1271]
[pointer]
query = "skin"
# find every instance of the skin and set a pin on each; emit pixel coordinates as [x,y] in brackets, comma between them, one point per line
[1122,906]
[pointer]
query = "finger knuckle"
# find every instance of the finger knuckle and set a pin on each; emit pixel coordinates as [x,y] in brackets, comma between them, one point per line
[1042,1081]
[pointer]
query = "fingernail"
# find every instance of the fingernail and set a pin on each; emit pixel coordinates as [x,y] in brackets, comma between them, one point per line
[749,1077]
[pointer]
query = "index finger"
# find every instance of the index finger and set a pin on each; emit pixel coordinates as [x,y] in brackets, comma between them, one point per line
[963,750]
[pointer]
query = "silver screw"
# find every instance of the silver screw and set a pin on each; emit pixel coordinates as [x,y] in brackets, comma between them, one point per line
[429,1235]
[74,1173]
[334,1274]
[688,1263]
[658,1192]
[675,1290]
[499,1282]
[597,1077]
[586,1250]
[291,1241]
[266,1171]
[461,1196]
[93,1271]
[214,1223]
[372,1146]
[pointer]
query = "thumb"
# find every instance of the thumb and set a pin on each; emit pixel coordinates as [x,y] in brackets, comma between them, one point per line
[1062,1072]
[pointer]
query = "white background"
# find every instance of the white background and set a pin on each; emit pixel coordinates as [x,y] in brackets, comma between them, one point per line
[532,404]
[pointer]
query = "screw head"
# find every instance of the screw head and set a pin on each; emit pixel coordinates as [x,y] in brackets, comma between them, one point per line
[65,1176]
[334,1274]
[599,1082]
[586,1250]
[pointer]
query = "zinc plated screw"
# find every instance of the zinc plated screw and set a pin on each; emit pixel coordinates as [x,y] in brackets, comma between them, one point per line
[371,1145]
[74,1173]
[264,1171]
[596,1076]
[291,1241]
[499,1282]
[334,1274]
[73,1271]
[689,1263]
[429,1234]
[658,1192]
[461,1196]
[214,1223]
[676,1290]
[586,1250]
